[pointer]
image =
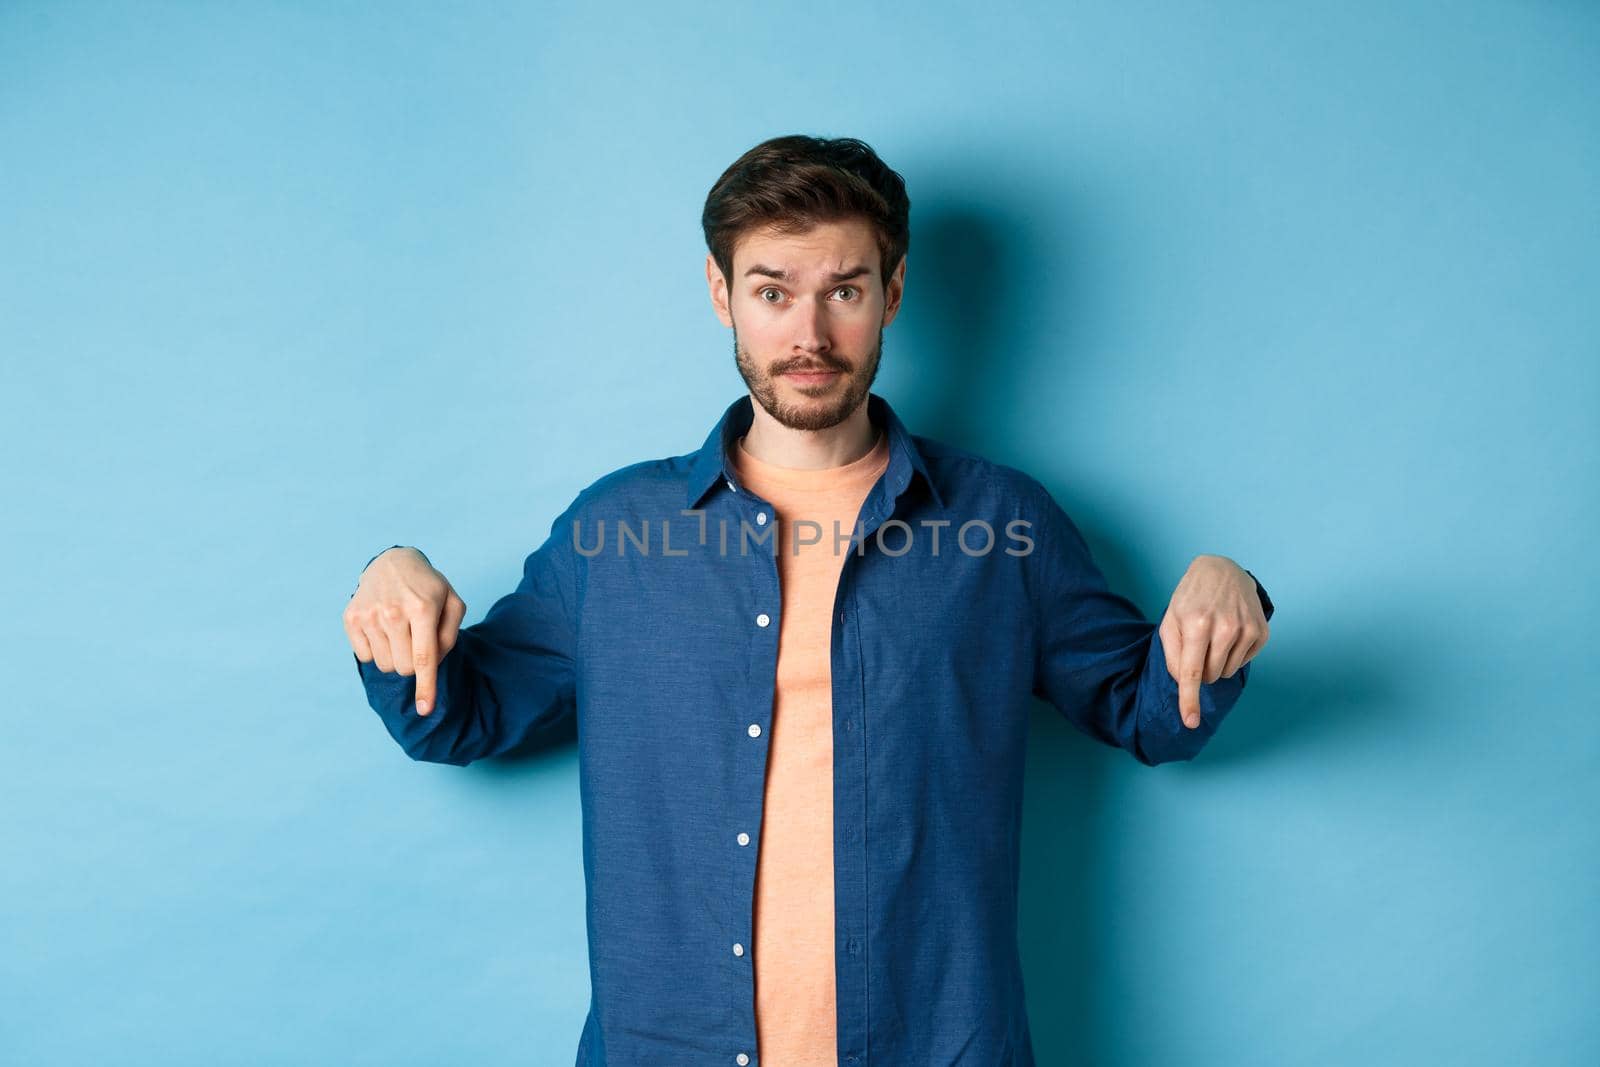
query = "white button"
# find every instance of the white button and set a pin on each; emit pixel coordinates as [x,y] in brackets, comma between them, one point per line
[730,484]
[738,949]
[744,839]
[755,729]
[762,619]
[761,518]
[741,1059]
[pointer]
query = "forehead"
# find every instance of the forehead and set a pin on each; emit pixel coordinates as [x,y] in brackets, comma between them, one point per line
[825,247]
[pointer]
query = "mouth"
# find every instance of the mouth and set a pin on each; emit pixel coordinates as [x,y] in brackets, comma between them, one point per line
[819,376]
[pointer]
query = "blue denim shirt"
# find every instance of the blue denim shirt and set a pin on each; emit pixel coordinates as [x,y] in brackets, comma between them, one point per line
[652,613]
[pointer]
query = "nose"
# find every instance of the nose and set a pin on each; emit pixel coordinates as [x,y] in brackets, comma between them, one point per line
[812,327]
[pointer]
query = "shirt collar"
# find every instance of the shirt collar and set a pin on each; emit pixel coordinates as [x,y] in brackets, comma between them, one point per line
[711,461]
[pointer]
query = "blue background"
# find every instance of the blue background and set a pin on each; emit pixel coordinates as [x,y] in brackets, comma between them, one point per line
[281,285]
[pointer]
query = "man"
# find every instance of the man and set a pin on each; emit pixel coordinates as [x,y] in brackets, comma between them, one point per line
[801,660]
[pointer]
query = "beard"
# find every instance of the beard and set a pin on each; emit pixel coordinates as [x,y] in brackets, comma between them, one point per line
[828,405]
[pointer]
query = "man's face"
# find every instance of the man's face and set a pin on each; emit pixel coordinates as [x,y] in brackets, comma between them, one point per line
[807,312]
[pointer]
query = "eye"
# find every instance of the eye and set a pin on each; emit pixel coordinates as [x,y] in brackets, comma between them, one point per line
[764,292]
[843,287]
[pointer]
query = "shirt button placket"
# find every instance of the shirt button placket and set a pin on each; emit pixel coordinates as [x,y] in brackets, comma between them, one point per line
[754,730]
[849,863]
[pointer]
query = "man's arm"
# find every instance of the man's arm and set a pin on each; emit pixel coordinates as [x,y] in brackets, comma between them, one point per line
[1100,661]
[505,678]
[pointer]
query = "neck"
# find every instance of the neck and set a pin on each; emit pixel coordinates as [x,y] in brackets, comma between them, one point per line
[772,442]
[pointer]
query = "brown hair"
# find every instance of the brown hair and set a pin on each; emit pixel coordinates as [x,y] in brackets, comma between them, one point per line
[791,183]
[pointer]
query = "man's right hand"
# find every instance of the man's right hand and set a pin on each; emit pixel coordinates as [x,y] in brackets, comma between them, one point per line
[404,617]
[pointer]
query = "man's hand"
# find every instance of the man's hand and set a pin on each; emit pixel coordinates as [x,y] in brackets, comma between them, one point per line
[405,617]
[1214,625]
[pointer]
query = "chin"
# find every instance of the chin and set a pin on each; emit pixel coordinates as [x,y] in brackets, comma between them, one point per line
[816,393]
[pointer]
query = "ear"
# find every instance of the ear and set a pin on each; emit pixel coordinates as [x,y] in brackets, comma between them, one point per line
[718,287]
[893,291]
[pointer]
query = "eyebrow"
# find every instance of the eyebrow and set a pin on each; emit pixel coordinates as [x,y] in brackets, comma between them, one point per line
[783,276]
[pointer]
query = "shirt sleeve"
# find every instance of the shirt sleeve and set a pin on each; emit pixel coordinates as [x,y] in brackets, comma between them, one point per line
[506,677]
[1100,662]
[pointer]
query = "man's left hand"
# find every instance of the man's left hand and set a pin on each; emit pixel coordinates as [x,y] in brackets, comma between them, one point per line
[1213,626]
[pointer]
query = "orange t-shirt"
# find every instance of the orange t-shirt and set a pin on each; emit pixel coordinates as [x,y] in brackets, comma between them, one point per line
[793,921]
